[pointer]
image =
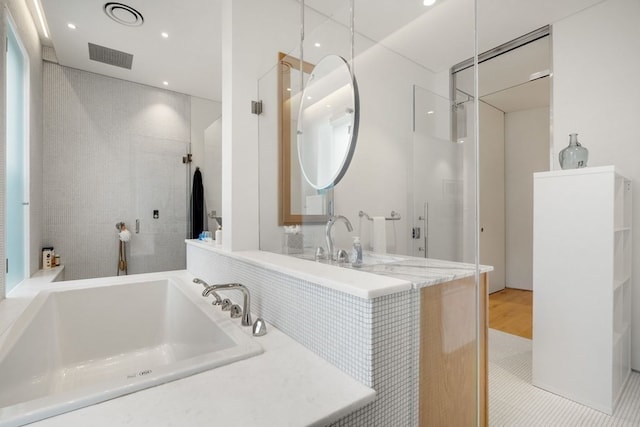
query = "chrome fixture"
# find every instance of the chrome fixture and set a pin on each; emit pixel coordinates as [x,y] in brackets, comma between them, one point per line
[226,304]
[200,282]
[320,253]
[218,300]
[246,306]
[259,328]
[342,256]
[395,216]
[236,311]
[332,220]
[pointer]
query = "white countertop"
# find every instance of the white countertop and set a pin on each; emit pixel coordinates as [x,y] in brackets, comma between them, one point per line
[371,281]
[287,385]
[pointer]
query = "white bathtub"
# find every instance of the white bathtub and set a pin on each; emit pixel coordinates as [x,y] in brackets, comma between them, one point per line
[73,348]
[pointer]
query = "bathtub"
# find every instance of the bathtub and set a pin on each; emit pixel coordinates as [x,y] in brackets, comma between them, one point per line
[76,347]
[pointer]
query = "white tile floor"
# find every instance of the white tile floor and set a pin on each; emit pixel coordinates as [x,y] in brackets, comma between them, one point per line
[513,401]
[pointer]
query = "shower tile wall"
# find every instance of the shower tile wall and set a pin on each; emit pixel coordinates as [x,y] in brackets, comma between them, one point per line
[112,152]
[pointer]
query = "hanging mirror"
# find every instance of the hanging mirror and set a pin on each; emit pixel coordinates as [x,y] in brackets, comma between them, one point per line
[328,123]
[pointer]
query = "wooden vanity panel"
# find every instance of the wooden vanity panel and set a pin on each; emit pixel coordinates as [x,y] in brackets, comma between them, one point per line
[448,354]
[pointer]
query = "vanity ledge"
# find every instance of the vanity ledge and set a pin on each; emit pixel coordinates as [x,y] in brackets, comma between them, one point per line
[359,283]
[350,281]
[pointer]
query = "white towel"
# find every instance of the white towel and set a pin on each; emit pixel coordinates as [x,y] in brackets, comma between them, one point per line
[379,240]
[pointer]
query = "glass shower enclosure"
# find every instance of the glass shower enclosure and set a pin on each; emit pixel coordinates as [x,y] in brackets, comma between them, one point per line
[411,170]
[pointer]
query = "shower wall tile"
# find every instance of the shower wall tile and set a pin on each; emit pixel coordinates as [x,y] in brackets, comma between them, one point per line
[375,341]
[112,152]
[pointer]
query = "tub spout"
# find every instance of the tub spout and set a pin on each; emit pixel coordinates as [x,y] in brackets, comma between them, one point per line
[218,300]
[246,306]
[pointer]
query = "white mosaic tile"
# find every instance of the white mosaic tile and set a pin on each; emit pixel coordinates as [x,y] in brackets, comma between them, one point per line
[375,341]
[112,153]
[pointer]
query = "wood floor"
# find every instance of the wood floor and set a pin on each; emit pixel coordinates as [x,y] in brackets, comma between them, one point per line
[511,311]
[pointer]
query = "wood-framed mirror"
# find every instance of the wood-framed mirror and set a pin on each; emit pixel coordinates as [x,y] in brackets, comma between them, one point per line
[298,202]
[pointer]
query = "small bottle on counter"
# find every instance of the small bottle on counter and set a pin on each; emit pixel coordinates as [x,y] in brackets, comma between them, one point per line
[57,258]
[219,235]
[356,252]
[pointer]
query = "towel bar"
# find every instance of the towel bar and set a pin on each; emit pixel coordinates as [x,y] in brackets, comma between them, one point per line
[395,216]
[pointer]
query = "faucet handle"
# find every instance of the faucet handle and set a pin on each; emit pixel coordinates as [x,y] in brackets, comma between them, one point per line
[236,311]
[342,256]
[226,304]
[259,327]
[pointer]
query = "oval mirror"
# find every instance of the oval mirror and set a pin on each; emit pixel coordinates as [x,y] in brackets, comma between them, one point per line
[328,122]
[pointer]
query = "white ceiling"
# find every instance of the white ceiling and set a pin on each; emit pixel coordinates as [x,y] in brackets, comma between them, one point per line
[436,37]
[526,96]
[189,59]
[506,81]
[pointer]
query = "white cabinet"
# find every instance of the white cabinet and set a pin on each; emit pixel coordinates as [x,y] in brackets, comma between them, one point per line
[582,284]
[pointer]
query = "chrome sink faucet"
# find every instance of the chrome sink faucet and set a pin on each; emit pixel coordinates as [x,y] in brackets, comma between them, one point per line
[333,220]
[246,307]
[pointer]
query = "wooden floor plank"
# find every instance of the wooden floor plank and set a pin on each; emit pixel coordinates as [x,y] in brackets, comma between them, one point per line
[511,311]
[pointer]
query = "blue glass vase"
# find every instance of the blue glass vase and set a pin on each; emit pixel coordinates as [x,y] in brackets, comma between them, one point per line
[573,156]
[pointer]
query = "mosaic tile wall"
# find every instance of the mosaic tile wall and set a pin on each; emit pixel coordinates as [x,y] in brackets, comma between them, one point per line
[375,341]
[113,153]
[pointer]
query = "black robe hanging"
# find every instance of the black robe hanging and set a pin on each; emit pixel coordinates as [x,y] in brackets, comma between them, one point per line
[197,206]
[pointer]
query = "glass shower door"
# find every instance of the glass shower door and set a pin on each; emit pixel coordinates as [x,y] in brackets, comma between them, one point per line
[437,180]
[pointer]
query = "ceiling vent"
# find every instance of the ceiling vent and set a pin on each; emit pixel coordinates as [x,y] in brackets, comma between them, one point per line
[123,14]
[110,56]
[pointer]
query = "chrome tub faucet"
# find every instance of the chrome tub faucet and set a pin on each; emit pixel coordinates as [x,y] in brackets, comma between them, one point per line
[246,306]
[218,300]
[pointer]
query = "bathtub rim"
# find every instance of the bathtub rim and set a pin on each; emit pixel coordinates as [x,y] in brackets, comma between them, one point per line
[51,405]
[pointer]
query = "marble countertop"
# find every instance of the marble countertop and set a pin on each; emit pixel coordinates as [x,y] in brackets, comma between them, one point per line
[423,272]
[388,274]
[287,385]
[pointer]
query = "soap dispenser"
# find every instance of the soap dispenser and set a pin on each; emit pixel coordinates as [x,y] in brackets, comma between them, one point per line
[356,252]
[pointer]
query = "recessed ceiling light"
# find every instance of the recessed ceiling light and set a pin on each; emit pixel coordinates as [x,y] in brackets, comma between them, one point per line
[166,83]
[431,112]
[165,35]
[71,26]
[429,2]
[317,44]
[288,89]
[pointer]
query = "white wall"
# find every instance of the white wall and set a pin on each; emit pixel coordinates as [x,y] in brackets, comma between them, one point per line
[492,178]
[213,168]
[207,151]
[246,57]
[203,113]
[595,94]
[526,152]
[380,175]
[113,152]
[29,36]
